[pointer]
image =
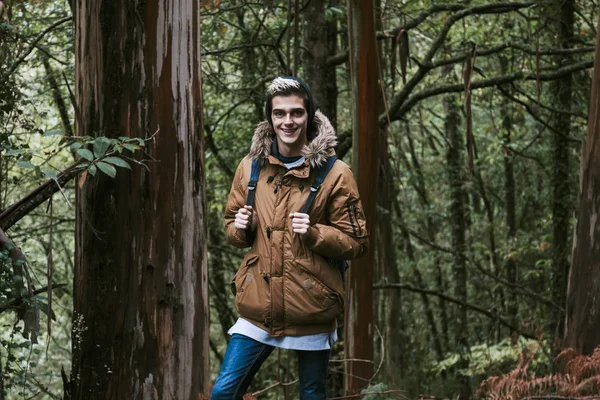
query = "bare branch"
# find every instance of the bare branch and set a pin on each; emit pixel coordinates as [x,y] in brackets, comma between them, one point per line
[33,46]
[235,48]
[13,214]
[517,76]
[426,64]
[445,297]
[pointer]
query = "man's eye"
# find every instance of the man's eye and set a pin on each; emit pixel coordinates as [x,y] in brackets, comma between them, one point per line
[298,113]
[278,113]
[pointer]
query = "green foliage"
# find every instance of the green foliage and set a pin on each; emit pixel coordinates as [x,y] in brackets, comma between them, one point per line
[107,153]
[485,359]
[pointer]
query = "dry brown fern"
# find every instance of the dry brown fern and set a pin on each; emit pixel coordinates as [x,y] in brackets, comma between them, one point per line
[581,377]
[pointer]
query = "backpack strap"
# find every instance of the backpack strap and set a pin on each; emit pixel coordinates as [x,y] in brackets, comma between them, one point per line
[314,187]
[254,174]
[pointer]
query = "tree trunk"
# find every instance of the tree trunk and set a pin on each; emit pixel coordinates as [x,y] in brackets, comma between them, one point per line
[393,324]
[562,14]
[582,331]
[510,265]
[359,309]
[318,37]
[458,225]
[250,65]
[140,328]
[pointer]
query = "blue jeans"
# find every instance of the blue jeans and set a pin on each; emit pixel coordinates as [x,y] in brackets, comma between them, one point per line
[244,357]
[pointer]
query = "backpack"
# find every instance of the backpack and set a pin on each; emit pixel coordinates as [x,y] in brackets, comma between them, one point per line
[340,265]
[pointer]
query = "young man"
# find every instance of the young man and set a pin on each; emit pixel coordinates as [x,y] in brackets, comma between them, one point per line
[286,290]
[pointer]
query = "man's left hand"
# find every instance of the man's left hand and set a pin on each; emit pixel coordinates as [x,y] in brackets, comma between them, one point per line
[300,222]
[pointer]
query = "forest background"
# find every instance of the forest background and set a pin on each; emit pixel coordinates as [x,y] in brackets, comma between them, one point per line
[122,123]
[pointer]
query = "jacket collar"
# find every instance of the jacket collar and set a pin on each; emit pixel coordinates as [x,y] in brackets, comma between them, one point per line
[316,151]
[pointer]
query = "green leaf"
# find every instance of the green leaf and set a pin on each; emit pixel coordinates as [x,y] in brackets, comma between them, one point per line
[25,164]
[76,146]
[53,132]
[85,153]
[50,173]
[15,152]
[101,144]
[119,162]
[107,169]
[92,170]
[130,147]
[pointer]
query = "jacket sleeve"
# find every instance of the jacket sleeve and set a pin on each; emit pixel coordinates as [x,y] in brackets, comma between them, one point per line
[237,199]
[345,237]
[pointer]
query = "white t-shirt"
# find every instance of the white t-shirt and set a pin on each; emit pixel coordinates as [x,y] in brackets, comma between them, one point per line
[319,341]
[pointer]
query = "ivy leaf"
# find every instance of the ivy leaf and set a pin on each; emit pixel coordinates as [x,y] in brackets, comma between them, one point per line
[107,169]
[85,153]
[101,144]
[119,162]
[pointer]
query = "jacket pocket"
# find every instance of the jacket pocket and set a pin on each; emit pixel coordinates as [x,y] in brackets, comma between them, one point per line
[251,290]
[237,280]
[308,300]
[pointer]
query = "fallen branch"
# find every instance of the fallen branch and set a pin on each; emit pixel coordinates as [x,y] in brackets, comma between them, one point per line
[20,209]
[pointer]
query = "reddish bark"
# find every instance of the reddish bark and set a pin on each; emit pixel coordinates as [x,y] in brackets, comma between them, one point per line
[582,328]
[359,307]
[140,291]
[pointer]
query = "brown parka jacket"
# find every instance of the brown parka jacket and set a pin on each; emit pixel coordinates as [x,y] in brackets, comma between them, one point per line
[285,285]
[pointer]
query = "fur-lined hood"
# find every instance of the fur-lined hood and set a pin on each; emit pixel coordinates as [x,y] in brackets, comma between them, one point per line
[316,151]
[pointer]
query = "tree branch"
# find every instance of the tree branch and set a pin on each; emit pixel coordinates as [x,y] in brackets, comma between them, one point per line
[519,289]
[517,76]
[13,214]
[426,64]
[445,297]
[235,48]
[32,46]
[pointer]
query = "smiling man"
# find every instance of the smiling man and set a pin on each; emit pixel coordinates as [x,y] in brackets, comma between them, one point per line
[288,290]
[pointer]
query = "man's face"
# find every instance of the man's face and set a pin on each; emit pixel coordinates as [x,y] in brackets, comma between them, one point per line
[290,121]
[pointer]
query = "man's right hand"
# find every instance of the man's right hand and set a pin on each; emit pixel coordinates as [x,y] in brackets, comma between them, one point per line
[245,218]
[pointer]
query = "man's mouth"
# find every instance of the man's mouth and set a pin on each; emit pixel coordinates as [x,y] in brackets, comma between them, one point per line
[288,131]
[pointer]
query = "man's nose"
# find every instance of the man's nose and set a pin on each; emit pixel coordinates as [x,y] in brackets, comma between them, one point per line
[288,118]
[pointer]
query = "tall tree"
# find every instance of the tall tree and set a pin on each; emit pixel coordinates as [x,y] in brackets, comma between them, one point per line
[319,39]
[359,309]
[458,223]
[562,15]
[140,296]
[582,330]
